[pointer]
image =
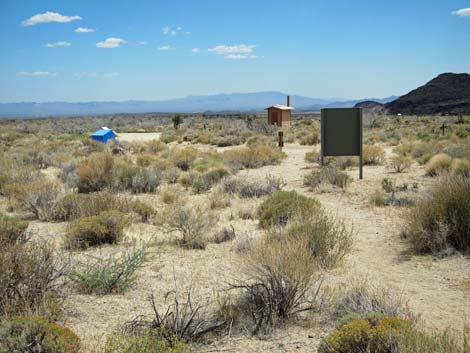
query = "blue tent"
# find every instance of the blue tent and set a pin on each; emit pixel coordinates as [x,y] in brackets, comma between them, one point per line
[103,135]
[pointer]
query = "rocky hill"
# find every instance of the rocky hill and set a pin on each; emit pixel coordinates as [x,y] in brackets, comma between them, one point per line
[448,93]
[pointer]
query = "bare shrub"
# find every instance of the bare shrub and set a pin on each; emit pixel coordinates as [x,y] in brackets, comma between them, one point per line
[280,276]
[400,163]
[28,272]
[440,220]
[192,223]
[40,198]
[183,319]
[224,235]
[12,230]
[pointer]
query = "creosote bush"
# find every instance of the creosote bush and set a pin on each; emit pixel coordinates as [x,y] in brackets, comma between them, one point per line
[328,239]
[400,163]
[373,155]
[440,220]
[105,228]
[281,206]
[204,182]
[327,175]
[34,335]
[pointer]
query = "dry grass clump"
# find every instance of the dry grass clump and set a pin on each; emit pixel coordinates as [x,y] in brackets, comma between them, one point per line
[170,194]
[12,230]
[440,220]
[327,175]
[439,164]
[281,206]
[373,155]
[95,173]
[183,158]
[312,157]
[219,199]
[461,167]
[313,138]
[34,334]
[252,157]
[105,228]
[400,163]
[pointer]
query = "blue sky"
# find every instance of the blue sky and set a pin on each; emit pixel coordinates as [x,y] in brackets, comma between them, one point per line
[152,50]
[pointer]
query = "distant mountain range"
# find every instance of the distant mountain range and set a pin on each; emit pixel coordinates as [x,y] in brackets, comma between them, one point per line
[239,102]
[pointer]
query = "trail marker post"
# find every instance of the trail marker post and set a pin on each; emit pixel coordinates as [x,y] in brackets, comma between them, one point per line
[341,134]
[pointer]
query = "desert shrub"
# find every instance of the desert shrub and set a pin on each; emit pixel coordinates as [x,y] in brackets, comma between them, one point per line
[168,138]
[204,182]
[106,228]
[224,235]
[183,157]
[377,198]
[280,276]
[260,140]
[344,162]
[144,210]
[245,213]
[219,199]
[422,152]
[400,163]
[171,175]
[134,178]
[254,188]
[327,175]
[441,219]
[404,149]
[312,157]
[68,174]
[313,138]
[146,341]
[362,335]
[40,197]
[461,167]
[27,274]
[95,173]
[170,195]
[373,155]
[328,239]
[252,157]
[182,321]
[192,223]
[440,163]
[12,230]
[279,207]
[108,275]
[230,140]
[363,300]
[34,334]
[75,206]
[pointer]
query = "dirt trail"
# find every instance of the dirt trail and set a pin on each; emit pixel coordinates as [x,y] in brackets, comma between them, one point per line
[434,287]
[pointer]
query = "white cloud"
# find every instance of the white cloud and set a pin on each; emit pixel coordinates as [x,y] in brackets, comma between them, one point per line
[169,30]
[462,12]
[37,73]
[86,74]
[48,17]
[57,44]
[239,56]
[143,42]
[110,43]
[111,75]
[196,50]
[165,47]
[232,49]
[84,30]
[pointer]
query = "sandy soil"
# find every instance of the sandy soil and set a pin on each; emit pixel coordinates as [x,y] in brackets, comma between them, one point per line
[138,136]
[435,288]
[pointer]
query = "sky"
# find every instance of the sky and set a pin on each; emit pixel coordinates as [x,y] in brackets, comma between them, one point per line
[90,50]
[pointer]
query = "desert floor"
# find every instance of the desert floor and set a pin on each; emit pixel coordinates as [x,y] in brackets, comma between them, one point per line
[436,288]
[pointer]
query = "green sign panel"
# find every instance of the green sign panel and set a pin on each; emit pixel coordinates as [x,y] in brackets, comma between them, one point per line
[341,133]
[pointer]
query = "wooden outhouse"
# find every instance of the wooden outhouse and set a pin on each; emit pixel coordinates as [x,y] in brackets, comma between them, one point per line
[280,115]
